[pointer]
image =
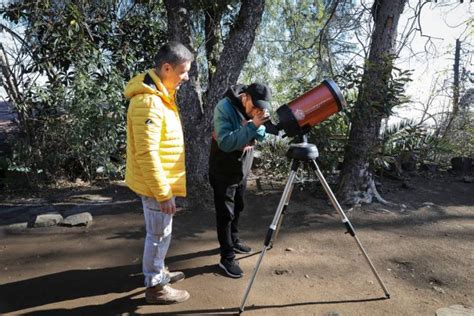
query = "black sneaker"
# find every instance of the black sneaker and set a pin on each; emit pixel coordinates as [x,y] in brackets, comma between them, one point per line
[241,248]
[231,267]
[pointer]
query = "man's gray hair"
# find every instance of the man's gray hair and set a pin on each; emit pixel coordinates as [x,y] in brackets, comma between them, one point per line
[173,53]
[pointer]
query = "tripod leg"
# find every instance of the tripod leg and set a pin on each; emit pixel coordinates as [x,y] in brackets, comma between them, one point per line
[276,221]
[283,213]
[346,222]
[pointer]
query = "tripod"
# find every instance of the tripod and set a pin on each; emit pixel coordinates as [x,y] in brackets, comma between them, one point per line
[304,153]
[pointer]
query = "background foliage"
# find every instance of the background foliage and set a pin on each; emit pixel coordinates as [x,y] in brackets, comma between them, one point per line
[73,124]
[75,57]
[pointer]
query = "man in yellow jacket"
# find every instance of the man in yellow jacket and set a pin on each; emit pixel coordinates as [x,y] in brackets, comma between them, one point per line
[155,162]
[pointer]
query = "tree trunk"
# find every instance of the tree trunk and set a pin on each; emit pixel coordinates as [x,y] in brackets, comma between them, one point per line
[457,55]
[212,30]
[356,183]
[10,87]
[454,113]
[196,109]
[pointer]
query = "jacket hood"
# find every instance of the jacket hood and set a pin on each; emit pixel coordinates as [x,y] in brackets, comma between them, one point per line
[233,95]
[137,86]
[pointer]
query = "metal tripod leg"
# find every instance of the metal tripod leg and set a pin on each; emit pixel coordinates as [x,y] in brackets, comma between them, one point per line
[283,213]
[346,222]
[273,226]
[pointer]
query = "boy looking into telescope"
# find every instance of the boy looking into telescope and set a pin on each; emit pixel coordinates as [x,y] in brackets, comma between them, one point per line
[238,123]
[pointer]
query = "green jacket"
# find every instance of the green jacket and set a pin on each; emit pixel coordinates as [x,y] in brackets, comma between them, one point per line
[232,144]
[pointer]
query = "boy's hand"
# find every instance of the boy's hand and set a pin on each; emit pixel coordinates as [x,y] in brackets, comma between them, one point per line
[260,118]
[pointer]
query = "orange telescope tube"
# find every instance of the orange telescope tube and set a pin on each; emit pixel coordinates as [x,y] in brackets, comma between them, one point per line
[311,108]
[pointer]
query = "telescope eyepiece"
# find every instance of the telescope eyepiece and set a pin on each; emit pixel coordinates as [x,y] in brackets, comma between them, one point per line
[271,128]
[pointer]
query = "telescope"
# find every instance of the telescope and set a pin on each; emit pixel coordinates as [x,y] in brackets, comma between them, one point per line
[298,116]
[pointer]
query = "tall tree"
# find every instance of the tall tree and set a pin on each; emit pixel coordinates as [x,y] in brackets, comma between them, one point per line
[456,89]
[197,106]
[357,183]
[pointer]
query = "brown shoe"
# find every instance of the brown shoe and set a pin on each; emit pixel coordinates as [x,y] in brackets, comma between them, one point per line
[165,295]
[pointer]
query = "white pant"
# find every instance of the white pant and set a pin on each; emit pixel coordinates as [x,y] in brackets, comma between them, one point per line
[158,237]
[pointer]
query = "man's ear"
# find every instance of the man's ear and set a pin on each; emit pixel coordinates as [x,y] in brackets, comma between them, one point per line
[165,68]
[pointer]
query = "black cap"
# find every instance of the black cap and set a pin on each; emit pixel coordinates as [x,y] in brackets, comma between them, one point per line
[261,95]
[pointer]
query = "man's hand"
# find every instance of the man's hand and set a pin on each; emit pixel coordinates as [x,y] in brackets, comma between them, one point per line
[260,118]
[168,206]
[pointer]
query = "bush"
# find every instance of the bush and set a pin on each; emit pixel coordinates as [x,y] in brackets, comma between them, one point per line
[76,133]
[274,163]
[72,121]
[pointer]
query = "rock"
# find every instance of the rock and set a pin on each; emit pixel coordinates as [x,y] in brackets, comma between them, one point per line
[461,164]
[439,289]
[46,220]
[18,226]
[281,271]
[467,179]
[81,219]
[289,249]
[455,310]
[306,276]
[428,204]
[429,166]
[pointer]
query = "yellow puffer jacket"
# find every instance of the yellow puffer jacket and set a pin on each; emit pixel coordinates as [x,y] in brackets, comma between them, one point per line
[155,144]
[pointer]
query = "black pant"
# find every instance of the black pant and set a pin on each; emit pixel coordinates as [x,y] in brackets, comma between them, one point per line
[229,203]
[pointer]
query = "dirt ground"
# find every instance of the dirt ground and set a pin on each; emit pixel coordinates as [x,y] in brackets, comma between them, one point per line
[424,254]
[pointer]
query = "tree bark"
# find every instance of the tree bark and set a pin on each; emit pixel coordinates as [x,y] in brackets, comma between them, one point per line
[457,55]
[356,183]
[454,113]
[10,87]
[212,29]
[197,109]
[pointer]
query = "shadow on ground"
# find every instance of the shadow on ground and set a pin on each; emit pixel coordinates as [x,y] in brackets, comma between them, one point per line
[76,284]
